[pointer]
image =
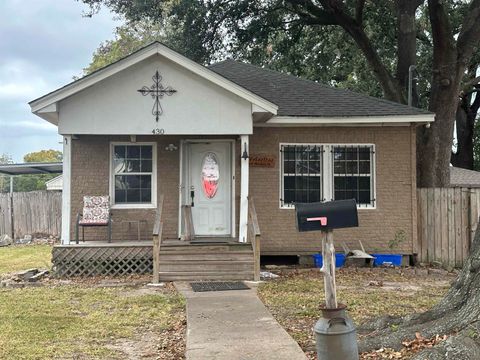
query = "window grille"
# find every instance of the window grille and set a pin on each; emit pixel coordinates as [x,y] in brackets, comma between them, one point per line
[132,172]
[352,173]
[302,178]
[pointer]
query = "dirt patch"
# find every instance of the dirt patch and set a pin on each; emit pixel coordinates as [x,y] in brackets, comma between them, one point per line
[167,344]
[294,298]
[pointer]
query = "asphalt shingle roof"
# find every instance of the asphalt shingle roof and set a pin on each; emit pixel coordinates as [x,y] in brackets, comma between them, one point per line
[464,178]
[299,97]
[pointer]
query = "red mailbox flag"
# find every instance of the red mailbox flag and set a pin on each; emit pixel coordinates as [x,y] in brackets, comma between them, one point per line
[323,220]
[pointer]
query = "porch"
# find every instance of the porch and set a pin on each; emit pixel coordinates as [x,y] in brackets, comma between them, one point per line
[198,258]
[179,260]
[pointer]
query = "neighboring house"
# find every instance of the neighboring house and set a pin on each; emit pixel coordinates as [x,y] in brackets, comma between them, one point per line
[55,184]
[217,136]
[464,178]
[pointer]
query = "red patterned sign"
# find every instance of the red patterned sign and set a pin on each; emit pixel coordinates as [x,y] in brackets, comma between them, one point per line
[262,160]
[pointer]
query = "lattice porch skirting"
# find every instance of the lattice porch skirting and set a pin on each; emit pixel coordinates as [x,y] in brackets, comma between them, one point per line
[70,261]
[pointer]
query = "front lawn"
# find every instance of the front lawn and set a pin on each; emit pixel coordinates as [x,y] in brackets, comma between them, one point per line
[94,318]
[22,257]
[294,298]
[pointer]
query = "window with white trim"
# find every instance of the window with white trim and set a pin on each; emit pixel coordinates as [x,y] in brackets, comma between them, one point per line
[323,172]
[133,174]
[302,168]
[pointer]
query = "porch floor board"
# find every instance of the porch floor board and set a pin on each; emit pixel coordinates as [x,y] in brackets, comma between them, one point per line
[141,243]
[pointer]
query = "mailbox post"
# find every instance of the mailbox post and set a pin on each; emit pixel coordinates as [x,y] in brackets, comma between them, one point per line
[334,332]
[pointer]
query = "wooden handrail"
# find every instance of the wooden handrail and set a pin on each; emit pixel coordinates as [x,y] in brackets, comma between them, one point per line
[157,240]
[253,235]
[188,229]
[158,217]
[252,216]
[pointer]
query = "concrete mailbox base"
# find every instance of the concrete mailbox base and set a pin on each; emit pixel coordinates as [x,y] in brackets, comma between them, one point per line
[335,335]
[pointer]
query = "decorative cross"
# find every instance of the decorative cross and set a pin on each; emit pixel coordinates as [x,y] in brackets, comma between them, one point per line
[156,91]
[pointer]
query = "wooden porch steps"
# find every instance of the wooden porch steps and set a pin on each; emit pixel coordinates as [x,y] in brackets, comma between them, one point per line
[206,262]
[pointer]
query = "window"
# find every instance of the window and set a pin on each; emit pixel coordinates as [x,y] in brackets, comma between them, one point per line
[302,173]
[352,174]
[133,175]
[321,172]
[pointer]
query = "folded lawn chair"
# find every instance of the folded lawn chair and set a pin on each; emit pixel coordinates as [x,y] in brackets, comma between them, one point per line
[96,212]
[357,254]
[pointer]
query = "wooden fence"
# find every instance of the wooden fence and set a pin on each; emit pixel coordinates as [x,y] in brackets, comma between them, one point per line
[447,219]
[35,212]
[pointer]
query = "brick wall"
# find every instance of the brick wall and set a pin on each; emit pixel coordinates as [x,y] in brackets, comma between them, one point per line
[393,146]
[394,183]
[90,176]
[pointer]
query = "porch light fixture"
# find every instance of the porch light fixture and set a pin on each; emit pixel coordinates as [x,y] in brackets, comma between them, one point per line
[245,153]
[171,147]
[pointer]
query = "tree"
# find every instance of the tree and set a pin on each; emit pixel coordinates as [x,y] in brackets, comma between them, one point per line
[452,30]
[36,182]
[178,28]
[457,315]
[466,117]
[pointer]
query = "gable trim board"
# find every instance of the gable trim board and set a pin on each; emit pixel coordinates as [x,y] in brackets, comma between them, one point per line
[46,108]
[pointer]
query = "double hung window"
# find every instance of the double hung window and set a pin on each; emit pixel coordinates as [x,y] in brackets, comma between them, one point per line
[133,174]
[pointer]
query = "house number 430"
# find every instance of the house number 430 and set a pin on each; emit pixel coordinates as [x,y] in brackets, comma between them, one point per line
[158,131]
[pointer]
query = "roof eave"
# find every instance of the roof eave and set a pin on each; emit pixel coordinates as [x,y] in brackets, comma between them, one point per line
[384,119]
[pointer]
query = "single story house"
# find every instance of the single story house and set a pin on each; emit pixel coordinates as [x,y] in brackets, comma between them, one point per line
[55,184]
[212,138]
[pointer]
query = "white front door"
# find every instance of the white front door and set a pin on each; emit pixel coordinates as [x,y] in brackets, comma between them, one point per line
[209,188]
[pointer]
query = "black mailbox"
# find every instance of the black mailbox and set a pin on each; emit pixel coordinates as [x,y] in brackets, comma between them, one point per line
[326,215]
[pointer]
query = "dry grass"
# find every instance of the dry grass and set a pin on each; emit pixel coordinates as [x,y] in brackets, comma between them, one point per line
[83,321]
[22,257]
[93,318]
[295,297]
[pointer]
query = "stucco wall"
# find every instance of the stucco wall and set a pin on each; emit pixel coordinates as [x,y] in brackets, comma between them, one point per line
[395,184]
[198,106]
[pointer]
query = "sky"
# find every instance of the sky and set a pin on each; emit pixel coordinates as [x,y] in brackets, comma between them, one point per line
[43,45]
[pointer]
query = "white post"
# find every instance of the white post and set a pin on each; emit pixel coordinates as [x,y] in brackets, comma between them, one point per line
[328,269]
[12,223]
[66,190]
[244,167]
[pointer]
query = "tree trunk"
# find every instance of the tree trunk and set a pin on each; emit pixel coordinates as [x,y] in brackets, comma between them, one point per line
[465,124]
[457,314]
[434,143]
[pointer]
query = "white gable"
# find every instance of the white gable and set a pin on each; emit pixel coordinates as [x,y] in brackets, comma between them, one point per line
[108,101]
[114,106]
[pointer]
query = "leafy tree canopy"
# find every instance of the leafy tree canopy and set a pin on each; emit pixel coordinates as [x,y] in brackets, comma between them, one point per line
[347,37]
[43,156]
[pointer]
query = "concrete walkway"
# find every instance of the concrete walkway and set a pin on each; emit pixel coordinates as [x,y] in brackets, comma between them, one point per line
[234,325]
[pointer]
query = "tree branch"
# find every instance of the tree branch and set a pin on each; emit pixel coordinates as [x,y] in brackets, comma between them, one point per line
[443,41]
[469,36]
[471,83]
[304,7]
[359,6]
[390,86]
